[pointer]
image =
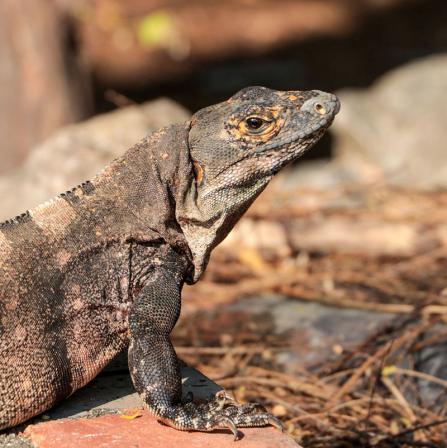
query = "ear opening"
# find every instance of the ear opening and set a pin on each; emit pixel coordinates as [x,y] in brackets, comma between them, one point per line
[198,172]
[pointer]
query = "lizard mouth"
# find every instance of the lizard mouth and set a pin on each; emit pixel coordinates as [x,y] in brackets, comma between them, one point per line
[291,151]
[316,130]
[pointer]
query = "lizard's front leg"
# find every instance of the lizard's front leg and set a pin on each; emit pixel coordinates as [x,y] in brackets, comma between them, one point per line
[155,369]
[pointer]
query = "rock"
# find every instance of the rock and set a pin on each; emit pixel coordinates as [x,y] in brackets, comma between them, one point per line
[431,360]
[108,412]
[77,152]
[269,238]
[12,440]
[145,432]
[314,333]
[112,390]
[373,237]
[396,130]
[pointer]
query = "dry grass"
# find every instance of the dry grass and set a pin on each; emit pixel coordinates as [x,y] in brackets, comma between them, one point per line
[367,397]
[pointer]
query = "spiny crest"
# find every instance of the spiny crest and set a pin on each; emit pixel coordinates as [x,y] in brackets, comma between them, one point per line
[23,217]
[86,187]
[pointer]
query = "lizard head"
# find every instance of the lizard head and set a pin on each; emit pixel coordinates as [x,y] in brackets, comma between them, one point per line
[237,146]
[255,133]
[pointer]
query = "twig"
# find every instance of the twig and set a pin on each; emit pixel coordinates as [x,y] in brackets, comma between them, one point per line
[414,429]
[294,386]
[357,374]
[399,397]
[420,375]
[376,382]
[200,351]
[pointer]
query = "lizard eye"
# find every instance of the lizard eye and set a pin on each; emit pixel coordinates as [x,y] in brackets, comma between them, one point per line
[257,125]
[254,123]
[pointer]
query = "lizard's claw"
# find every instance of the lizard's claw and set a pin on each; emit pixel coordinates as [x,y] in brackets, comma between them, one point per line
[223,409]
[226,422]
[275,422]
[220,411]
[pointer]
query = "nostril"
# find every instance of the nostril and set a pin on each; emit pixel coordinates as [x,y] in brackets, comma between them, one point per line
[319,108]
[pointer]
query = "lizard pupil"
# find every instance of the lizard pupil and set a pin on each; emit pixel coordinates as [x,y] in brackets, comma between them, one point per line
[254,122]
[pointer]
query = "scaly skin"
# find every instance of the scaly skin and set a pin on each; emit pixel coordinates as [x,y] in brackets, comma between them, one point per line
[102,266]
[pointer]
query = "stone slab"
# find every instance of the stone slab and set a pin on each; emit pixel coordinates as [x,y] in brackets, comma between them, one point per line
[110,431]
[113,389]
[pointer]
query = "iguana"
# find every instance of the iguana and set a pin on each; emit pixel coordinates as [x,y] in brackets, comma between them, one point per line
[101,267]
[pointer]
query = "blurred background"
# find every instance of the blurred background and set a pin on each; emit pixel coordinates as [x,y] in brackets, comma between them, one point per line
[333,287]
